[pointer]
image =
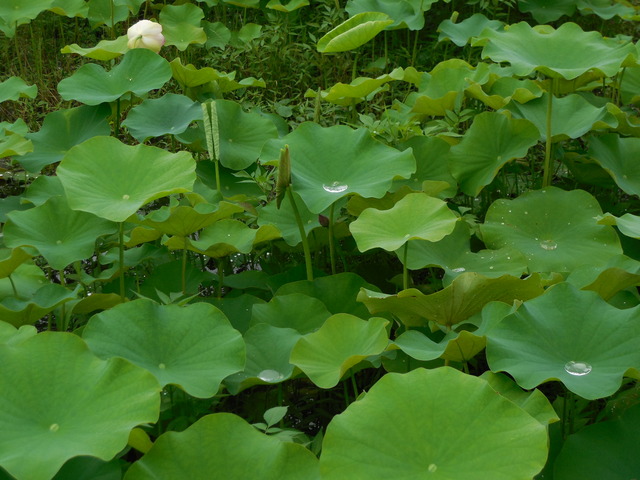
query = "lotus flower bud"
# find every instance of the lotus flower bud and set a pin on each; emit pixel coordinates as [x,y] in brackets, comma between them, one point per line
[284,175]
[146,34]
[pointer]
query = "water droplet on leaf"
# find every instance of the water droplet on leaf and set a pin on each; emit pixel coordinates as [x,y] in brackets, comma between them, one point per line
[335,187]
[125,197]
[458,270]
[432,468]
[54,427]
[162,366]
[548,245]
[270,376]
[577,368]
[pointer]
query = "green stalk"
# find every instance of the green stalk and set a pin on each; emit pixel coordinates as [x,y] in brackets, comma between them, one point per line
[405,270]
[332,246]
[13,287]
[121,259]
[184,269]
[546,179]
[116,125]
[303,235]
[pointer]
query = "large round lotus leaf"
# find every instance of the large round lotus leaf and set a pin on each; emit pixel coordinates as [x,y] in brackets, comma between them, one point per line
[104,50]
[572,116]
[237,309]
[466,296]
[607,10]
[337,292]
[342,342]
[12,258]
[181,25]
[18,12]
[193,346]
[110,12]
[354,32]
[300,312]
[567,52]
[602,450]
[171,114]
[223,446]
[330,163]
[29,308]
[616,155]
[439,424]
[555,230]
[10,335]
[268,352]
[60,234]
[460,33]
[61,401]
[14,88]
[405,13]
[284,219]
[492,140]
[545,11]
[416,216]
[140,71]
[62,130]
[112,180]
[569,335]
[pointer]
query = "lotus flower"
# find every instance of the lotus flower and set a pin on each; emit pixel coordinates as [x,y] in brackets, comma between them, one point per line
[146,34]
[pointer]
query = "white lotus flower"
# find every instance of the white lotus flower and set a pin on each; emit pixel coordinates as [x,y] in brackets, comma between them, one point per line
[146,34]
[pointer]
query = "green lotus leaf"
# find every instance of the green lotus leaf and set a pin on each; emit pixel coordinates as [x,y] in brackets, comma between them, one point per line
[366,442]
[358,90]
[27,279]
[60,234]
[14,88]
[209,79]
[391,229]
[602,450]
[354,32]
[342,342]
[545,11]
[493,140]
[466,296]
[617,274]
[499,93]
[244,3]
[268,352]
[533,402]
[90,468]
[70,8]
[181,25]
[19,127]
[242,452]
[337,292]
[140,71]
[28,309]
[541,342]
[417,345]
[567,52]
[321,176]
[299,312]
[572,116]
[628,224]
[10,335]
[86,409]
[237,309]
[18,12]
[12,258]
[42,189]
[405,13]
[63,129]
[170,114]
[193,346]
[554,229]
[112,180]
[104,50]
[615,154]
[218,34]
[607,10]
[289,6]
[630,86]
[96,301]
[284,219]
[461,33]
[443,253]
[110,12]
[14,144]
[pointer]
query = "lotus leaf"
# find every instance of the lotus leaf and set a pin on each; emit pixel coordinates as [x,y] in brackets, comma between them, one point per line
[503,90]
[567,52]
[241,452]
[10,335]
[493,140]
[14,144]
[461,33]
[10,259]
[342,342]
[405,13]
[28,309]
[299,312]
[70,8]
[616,155]
[170,114]
[366,442]
[14,88]
[416,216]
[284,219]
[105,50]
[628,224]
[18,12]
[60,234]
[237,309]
[554,229]
[606,9]
[181,25]
[289,6]
[140,71]
[354,32]
[112,180]
[110,12]
[545,11]
[218,34]
[87,408]
[63,129]
[466,296]
[90,468]
[193,346]
[320,174]
[569,335]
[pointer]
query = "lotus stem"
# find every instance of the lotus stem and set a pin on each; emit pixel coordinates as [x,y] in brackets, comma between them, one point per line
[546,179]
[116,123]
[13,287]
[332,246]
[303,235]
[405,270]
[121,259]
[184,268]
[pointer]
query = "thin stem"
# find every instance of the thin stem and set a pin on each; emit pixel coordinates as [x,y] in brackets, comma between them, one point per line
[13,287]
[354,385]
[220,277]
[121,259]
[303,235]
[332,246]
[217,166]
[116,125]
[405,270]
[546,179]
[414,53]
[184,269]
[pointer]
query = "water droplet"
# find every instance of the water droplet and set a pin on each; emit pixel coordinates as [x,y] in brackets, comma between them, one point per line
[407,236]
[508,258]
[335,187]
[162,366]
[577,368]
[526,213]
[270,376]
[432,468]
[125,197]
[548,245]
[54,427]
[58,242]
[458,270]
[491,268]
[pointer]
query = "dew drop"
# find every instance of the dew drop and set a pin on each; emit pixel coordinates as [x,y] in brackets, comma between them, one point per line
[270,376]
[548,245]
[432,468]
[458,270]
[58,242]
[491,268]
[577,368]
[162,366]
[407,236]
[54,427]
[335,187]
[526,213]
[125,197]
